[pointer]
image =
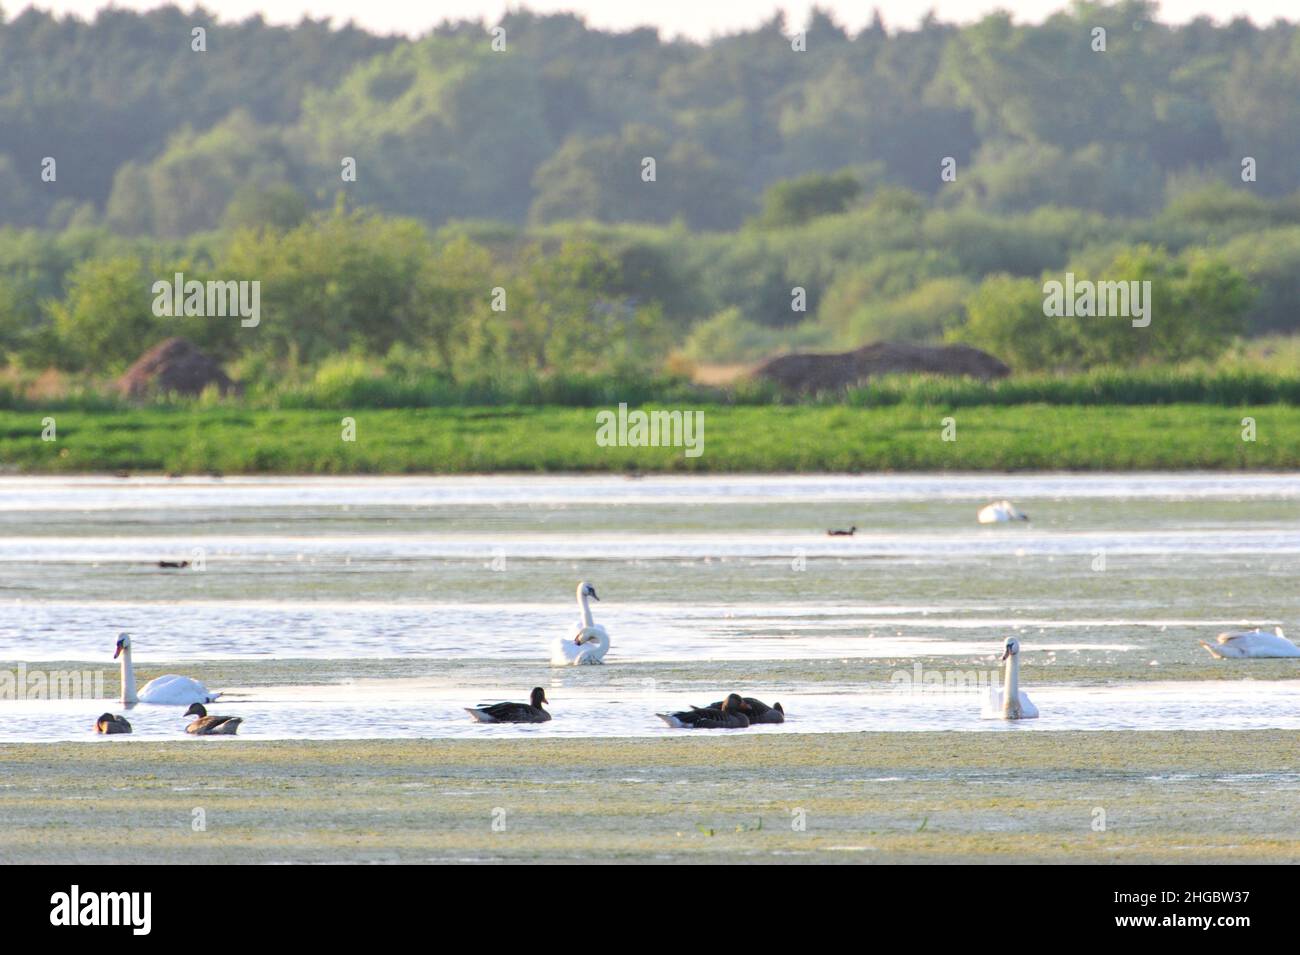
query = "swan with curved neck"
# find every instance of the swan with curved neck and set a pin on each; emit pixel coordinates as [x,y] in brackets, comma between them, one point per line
[167,690]
[590,644]
[1252,643]
[1009,702]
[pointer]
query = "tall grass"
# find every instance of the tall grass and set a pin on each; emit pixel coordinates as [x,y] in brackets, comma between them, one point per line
[345,385]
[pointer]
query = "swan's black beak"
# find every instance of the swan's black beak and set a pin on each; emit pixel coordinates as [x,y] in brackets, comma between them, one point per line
[116,650]
[594,597]
[578,640]
[1006,652]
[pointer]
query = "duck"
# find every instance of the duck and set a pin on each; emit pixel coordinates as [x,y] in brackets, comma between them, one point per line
[1252,643]
[756,711]
[167,690]
[1009,702]
[836,532]
[205,725]
[174,564]
[590,644]
[109,724]
[1000,512]
[530,712]
[729,716]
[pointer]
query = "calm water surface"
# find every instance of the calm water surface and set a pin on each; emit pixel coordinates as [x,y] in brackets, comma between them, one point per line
[706,583]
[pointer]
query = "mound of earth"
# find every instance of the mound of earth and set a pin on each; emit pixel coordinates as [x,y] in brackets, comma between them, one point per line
[831,372]
[173,365]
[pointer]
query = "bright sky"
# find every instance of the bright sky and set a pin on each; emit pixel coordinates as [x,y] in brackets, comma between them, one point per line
[694,18]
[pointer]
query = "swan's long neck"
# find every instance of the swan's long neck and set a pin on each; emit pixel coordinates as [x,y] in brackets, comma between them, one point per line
[586,610]
[1011,689]
[128,678]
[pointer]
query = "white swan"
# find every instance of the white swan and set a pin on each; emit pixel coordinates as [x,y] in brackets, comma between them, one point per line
[1008,702]
[1000,512]
[1252,643]
[589,644]
[168,690]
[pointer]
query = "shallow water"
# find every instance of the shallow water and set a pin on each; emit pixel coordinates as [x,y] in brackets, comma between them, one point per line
[1117,573]
[370,712]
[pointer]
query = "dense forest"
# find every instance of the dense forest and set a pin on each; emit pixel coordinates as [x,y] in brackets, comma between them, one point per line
[806,188]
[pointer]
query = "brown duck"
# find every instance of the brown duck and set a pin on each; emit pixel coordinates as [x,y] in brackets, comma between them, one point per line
[757,711]
[205,725]
[729,715]
[530,712]
[108,724]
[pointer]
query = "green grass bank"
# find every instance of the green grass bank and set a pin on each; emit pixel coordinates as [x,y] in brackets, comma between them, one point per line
[799,438]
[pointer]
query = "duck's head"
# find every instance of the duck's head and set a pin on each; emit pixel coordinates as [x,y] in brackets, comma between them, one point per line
[733,703]
[105,718]
[123,644]
[196,709]
[1010,647]
[586,590]
[538,696]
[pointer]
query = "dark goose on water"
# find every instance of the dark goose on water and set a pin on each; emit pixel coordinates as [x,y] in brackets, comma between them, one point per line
[729,715]
[205,725]
[530,712]
[756,710]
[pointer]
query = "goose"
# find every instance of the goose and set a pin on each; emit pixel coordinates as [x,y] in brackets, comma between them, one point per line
[591,642]
[756,711]
[1252,643]
[835,532]
[729,716]
[530,712]
[205,725]
[167,690]
[1000,512]
[109,724]
[1009,702]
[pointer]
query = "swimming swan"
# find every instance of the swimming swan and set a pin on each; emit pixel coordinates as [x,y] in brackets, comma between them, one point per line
[1008,702]
[168,690]
[1252,643]
[589,644]
[205,725]
[999,512]
[530,712]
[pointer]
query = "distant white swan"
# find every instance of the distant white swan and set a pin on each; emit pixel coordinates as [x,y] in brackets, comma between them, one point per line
[1000,512]
[1252,643]
[589,644]
[1008,702]
[167,690]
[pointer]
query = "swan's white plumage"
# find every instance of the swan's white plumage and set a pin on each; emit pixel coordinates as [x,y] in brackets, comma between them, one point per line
[172,690]
[1000,512]
[166,690]
[1008,702]
[993,709]
[567,651]
[1252,643]
[589,644]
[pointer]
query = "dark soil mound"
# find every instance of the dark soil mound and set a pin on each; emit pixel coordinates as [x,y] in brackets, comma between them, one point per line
[173,365]
[831,372]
